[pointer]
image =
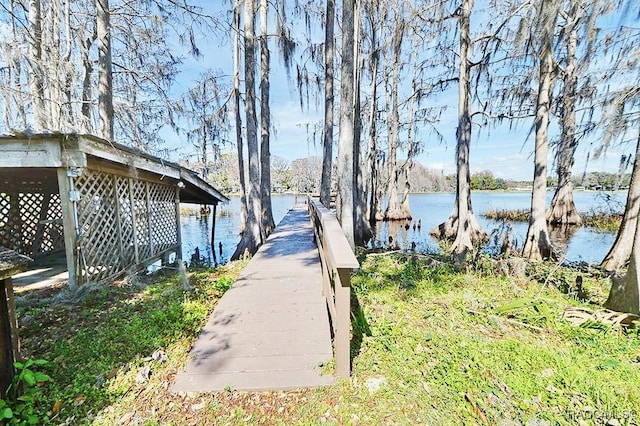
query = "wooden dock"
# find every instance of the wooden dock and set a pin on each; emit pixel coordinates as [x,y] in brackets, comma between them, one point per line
[270,331]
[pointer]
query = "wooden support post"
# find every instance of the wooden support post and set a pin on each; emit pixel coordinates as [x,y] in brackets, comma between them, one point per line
[150,213]
[11,263]
[178,230]
[213,233]
[68,225]
[118,208]
[134,221]
[6,341]
[343,326]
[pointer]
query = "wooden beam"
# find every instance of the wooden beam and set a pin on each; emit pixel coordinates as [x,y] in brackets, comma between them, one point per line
[68,224]
[127,157]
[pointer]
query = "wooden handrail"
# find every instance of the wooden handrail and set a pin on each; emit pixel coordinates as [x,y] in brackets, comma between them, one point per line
[338,262]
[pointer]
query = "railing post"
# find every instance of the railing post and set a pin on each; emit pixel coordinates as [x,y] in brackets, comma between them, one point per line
[11,263]
[343,326]
[338,262]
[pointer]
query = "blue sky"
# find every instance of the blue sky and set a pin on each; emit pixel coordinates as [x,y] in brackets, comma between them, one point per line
[506,153]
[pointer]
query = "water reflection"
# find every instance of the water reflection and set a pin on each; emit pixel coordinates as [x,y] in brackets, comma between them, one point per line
[560,236]
[196,229]
[579,244]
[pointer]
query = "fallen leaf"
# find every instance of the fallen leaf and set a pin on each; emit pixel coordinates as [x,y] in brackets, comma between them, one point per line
[56,407]
[113,373]
[79,400]
[143,374]
[477,409]
[200,406]
[159,356]
[126,418]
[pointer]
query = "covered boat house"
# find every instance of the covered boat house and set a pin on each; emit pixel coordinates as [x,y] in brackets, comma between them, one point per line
[108,207]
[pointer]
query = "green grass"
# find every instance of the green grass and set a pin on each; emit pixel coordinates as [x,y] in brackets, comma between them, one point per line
[430,346]
[97,345]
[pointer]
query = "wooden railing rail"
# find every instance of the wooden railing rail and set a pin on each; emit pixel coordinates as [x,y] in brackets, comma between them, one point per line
[338,262]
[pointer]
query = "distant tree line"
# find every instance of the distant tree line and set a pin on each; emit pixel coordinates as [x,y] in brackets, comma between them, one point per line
[303,175]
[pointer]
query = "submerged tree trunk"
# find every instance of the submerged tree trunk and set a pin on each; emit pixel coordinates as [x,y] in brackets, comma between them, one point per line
[462,226]
[105,75]
[563,210]
[327,144]
[251,237]
[346,174]
[537,244]
[265,124]
[620,252]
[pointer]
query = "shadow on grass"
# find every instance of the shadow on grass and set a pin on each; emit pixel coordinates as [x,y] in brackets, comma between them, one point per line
[360,326]
[109,335]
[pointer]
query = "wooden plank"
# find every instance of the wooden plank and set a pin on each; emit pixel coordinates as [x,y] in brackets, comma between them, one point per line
[36,152]
[270,331]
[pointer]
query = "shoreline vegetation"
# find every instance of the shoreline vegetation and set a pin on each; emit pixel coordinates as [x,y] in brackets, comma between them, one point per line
[600,221]
[495,344]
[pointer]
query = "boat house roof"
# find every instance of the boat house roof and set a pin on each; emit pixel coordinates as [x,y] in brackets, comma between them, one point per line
[44,151]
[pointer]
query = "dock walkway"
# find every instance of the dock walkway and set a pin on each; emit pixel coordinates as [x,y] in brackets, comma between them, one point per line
[270,331]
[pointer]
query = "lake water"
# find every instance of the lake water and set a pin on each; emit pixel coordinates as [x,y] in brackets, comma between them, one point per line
[431,209]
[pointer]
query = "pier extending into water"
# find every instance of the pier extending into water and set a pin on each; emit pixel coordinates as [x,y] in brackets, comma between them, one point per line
[271,330]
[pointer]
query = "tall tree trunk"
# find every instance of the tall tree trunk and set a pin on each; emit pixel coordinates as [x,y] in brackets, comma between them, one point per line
[394,210]
[537,244]
[238,117]
[36,65]
[374,209]
[265,126]
[16,98]
[620,252]
[68,115]
[346,173]
[362,228]
[87,122]
[327,143]
[624,295]
[251,237]
[52,60]
[105,76]
[563,210]
[462,226]
[406,167]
